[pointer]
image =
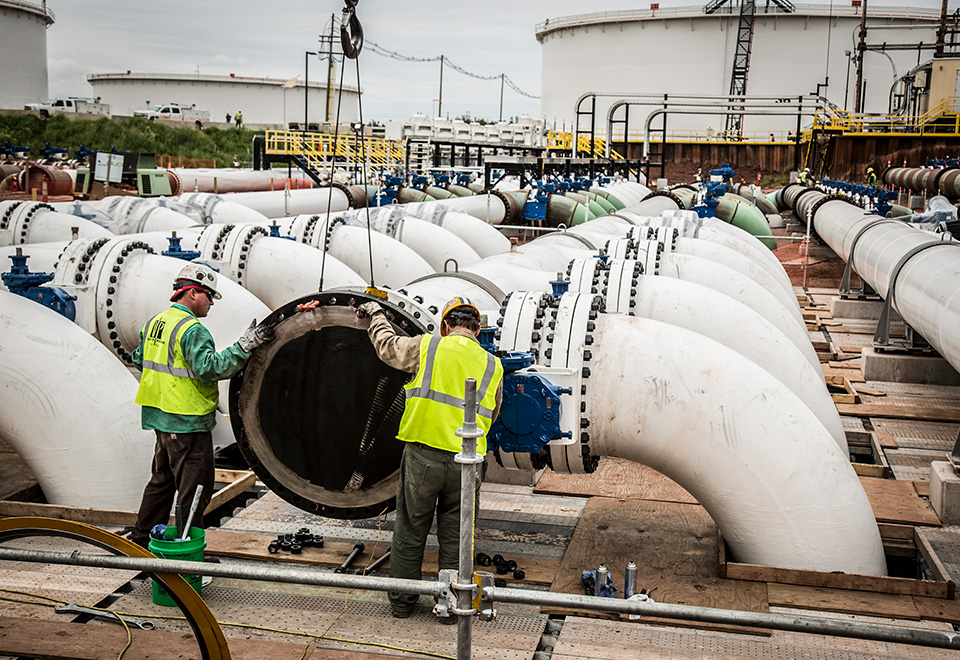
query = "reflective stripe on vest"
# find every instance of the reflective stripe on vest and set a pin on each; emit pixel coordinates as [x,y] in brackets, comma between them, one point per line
[426,392]
[434,398]
[168,383]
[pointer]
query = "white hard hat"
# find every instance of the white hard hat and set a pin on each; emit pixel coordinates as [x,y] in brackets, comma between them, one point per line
[806,169]
[197,274]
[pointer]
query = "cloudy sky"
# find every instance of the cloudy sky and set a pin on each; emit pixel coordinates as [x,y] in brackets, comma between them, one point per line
[269,39]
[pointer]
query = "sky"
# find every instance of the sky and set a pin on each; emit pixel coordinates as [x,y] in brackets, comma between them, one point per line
[264,39]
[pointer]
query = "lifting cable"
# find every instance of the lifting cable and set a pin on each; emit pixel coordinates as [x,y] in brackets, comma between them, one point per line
[333,160]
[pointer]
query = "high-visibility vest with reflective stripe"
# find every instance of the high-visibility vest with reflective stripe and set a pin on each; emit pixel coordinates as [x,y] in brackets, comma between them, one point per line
[167,382]
[434,406]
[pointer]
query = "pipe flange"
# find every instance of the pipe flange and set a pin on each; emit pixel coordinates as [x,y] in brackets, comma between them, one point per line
[73,264]
[666,237]
[23,216]
[816,207]
[237,247]
[669,195]
[584,275]
[511,210]
[8,212]
[621,248]
[351,200]
[109,265]
[796,199]
[310,458]
[620,287]
[218,250]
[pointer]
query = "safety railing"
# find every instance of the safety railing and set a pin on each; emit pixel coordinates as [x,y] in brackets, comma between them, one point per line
[563,141]
[942,119]
[318,149]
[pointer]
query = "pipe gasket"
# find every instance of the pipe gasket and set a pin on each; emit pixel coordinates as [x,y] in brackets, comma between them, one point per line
[213,645]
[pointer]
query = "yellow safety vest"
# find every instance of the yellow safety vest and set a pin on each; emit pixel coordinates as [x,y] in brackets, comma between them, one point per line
[435,397]
[168,382]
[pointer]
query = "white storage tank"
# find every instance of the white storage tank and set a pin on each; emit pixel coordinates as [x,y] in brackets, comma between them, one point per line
[681,50]
[23,52]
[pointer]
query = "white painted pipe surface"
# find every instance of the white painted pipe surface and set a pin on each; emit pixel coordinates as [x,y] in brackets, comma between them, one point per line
[282,204]
[760,462]
[487,207]
[36,222]
[133,215]
[220,209]
[485,240]
[69,410]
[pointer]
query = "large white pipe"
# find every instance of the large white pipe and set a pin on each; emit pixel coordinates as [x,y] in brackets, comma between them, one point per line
[133,215]
[220,209]
[69,410]
[36,222]
[285,203]
[490,207]
[228,180]
[926,288]
[761,463]
[485,240]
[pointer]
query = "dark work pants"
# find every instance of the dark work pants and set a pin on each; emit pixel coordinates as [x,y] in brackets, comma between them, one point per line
[181,462]
[429,481]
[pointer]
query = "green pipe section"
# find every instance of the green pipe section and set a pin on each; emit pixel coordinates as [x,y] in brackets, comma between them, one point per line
[565,211]
[439,193]
[594,210]
[475,187]
[897,211]
[766,206]
[604,204]
[460,191]
[610,197]
[407,195]
[741,213]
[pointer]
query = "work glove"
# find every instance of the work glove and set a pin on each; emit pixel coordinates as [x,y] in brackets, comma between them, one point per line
[368,309]
[254,336]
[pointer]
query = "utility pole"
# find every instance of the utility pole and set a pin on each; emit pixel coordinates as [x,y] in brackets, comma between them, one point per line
[440,100]
[501,96]
[942,30]
[861,48]
[329,115]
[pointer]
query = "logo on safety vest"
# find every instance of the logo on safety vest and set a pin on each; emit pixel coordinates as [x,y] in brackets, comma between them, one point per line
[157,330]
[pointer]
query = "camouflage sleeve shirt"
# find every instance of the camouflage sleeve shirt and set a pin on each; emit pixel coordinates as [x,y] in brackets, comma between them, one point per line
[403,353]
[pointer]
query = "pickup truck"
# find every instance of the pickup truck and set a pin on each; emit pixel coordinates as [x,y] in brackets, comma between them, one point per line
[175,112]
[69,105]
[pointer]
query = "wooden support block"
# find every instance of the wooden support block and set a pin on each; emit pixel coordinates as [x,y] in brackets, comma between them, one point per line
[896,533]
[838,580]
[841,391]
[617,478]
[825,350]
[925,413]
[851,349]
[242,480]
[864,390]
[938,609]
[868,603]
[886,440]
[937,569]
[922,488]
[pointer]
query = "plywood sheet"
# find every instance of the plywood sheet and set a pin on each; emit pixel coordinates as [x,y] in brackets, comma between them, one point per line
[920,412]
[897,502]
[938,609]
[842,600]
[617,478]
[674,545]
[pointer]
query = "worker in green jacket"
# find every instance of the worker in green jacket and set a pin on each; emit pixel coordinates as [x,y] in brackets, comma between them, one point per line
[429,476]
[178,394]
[871,177]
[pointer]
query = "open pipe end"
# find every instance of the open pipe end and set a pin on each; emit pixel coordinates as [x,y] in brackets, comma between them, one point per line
[316,412]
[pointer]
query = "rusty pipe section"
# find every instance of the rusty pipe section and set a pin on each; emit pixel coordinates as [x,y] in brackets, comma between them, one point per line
[916,271]
[33,176]
[944,181]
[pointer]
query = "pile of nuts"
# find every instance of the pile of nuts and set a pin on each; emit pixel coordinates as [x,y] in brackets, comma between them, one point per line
[295,542]
[504,566]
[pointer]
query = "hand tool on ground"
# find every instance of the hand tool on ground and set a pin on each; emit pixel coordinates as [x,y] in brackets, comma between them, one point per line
[73,608]
[185,531]
[375,564]
[357,549]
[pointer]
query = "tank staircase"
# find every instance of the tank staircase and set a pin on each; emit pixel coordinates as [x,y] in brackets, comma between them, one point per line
[314,152]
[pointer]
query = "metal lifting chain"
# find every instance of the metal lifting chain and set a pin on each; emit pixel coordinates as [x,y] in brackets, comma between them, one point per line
[351,32]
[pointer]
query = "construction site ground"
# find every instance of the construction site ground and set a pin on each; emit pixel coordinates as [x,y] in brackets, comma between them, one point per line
[554,526]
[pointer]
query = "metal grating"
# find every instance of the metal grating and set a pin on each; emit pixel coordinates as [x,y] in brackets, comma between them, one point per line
[606,640]
[852,423]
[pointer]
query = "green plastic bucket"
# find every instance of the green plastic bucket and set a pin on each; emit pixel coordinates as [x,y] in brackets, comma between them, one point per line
[188,550]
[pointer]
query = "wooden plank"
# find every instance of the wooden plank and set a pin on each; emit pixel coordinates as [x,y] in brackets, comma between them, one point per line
[887,440]
[617,478]
[841,391]
[925,413]
[842,600]
[864,390]
[870,470]
[938,609]
[78,514]
[837,580]
[849,374]
[893,532]
[674,545]
[897,502]
[254,546]
[58,640]
[922,488]
[242,481]
[937,569]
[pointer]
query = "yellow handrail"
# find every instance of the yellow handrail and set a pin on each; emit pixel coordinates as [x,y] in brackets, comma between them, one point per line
[317,149]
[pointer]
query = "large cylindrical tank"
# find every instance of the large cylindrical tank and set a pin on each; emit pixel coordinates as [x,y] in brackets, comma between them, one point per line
[23,52]
[690,52]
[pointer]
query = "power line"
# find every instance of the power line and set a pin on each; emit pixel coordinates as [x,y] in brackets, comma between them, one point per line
[386,52]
